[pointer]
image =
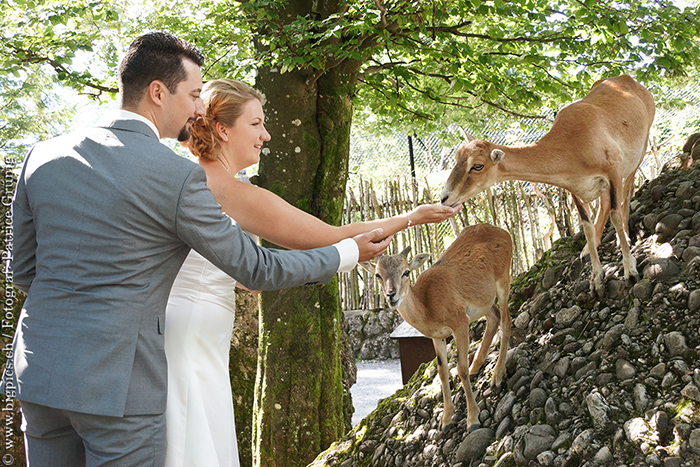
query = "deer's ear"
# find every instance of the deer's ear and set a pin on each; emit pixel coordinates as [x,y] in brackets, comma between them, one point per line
[368,266]
[405,252]
[418,261]
[497,155]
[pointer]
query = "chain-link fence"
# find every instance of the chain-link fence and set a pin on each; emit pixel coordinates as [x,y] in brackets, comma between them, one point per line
[391,174]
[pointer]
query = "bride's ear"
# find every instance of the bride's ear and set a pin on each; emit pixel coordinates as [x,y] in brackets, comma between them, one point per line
[221,132]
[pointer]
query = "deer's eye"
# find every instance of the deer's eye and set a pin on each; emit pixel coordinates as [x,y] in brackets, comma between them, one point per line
[406,273]
[378,276]
[477,168]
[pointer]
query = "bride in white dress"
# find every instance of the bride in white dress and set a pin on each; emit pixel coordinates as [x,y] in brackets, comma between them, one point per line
[200,314]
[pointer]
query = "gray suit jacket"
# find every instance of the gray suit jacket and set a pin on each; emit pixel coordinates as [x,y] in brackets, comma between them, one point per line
[103,220]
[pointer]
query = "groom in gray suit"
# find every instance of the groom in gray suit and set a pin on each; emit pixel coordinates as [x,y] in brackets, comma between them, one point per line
[103,219]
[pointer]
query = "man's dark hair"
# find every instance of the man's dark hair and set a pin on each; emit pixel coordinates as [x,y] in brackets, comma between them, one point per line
[154,56]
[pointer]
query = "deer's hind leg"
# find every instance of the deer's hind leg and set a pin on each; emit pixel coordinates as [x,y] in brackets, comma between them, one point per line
[503,290]
[444,372]
[492,320]
[618,216]
[597,276]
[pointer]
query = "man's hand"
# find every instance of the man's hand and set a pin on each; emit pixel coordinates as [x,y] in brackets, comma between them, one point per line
[372,244]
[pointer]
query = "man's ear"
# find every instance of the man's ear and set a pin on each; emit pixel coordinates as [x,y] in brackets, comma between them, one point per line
[368,266]
[155,92]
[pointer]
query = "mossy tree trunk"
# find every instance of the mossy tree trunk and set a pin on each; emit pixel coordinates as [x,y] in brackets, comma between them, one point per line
[242,370]
[300,399]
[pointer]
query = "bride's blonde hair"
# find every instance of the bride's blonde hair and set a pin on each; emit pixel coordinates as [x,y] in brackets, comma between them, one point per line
[224,100]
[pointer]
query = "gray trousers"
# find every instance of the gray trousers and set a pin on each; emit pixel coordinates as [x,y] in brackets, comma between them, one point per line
[61,438]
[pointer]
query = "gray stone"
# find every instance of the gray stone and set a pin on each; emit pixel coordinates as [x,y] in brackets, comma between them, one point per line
[696,223]
[690,253]
[561,367]
[614,289]
[474,445]
[667,226]
[661,269]
[649,221]
[673,461]
[504,407]
[641,401]
[636,429]
[522,320]
[643,289]
[429,452]
[694,441]
[567,316]
[694,300]
[550,278]
[538,397]
[612,337]
[583,441]
[632,318]
[603,456]
[538,440]
[660,422]
[691,391]
[624,369]
[598,409]
[561,441]
[584,371]
[685,190]
[658,371]
[675,343]
[551,413]
[504,427]
[546,458]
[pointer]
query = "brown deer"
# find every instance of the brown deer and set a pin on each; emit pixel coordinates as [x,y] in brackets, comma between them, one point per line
[593,150]
[457,290]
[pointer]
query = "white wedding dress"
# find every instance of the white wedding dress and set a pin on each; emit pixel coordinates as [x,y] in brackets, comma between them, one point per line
[199,322]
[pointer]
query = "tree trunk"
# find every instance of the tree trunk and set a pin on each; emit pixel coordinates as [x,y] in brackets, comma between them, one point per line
[300,401]
[243,358]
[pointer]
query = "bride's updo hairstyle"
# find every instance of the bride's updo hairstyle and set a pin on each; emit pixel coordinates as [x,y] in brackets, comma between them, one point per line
[223,101]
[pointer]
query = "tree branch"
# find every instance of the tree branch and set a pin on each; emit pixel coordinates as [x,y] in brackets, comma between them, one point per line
[32,57]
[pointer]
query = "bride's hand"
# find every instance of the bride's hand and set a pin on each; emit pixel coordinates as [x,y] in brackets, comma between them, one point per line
[432,213]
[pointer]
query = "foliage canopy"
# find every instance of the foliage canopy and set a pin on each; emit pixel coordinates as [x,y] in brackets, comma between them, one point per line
[422,63]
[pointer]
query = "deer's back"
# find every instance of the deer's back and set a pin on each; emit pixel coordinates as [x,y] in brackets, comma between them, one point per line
[478,257]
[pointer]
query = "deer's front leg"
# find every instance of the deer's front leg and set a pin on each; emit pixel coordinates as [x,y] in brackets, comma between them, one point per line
[444,372]
[461,336]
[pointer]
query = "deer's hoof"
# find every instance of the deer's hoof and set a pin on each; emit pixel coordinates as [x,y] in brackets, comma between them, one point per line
[473,427]
[446,428]
[598,287]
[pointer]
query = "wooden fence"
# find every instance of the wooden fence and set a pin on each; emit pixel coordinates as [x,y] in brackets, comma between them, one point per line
[533,214]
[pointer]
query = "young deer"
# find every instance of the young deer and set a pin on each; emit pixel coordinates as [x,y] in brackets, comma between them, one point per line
[458,289]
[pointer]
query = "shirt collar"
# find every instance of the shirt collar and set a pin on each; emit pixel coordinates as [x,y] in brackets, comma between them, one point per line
[128,115]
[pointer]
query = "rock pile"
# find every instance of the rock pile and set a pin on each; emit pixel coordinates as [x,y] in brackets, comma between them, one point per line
[612,382]
[368,333]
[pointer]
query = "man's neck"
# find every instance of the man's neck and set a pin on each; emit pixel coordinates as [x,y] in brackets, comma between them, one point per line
[136,115]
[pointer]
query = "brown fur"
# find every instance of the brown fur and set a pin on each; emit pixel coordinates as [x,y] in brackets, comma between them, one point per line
[457,290]
[593,150]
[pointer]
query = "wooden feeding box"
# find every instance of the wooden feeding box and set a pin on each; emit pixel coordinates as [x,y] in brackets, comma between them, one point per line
[414,349]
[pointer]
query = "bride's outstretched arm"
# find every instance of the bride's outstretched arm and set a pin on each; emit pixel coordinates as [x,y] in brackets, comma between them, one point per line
[265,214]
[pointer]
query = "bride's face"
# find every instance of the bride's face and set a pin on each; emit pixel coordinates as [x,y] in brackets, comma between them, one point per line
[247,135]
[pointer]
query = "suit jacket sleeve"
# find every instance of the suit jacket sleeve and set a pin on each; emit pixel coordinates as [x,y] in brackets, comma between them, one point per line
[215,236]
[24,239]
